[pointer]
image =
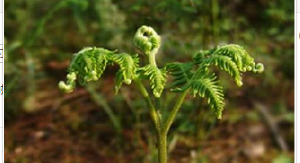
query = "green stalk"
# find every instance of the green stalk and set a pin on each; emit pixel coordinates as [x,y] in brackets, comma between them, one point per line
[174,112]
[151,57]
[162,138]
[153,112]
[162,148]
[161,133]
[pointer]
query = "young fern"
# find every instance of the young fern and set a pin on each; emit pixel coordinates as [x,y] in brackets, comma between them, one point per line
[194,77]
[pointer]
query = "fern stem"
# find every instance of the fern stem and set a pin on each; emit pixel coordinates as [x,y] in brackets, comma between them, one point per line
[162,148]
[162,137]
[174,112]
[152,58]
[153,112]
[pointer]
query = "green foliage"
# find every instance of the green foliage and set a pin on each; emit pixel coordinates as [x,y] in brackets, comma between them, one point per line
[182,74]
[147,40]
[262,27]
[90,63]
[201,83]
[231,58]
[206,85]
[128,66]
[157,77]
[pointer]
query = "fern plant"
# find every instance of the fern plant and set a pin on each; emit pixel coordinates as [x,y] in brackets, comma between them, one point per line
[193,77]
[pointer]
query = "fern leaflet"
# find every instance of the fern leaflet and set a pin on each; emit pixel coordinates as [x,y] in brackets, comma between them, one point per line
[128,65]
[157,77]
[182,72]
[206,85]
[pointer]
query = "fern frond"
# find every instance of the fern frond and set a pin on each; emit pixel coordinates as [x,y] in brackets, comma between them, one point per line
[182,73]
[128,65]
[118,81]
[157,77]
[206,85]
[89,64]
[226,64]
[237,54]
[233,59]
[202,54]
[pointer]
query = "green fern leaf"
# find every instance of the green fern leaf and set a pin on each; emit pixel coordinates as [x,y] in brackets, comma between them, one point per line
[118,81]
[206,85]
[182,73]
[226,64]
[157,77]
[237,54]
[128,65]
[87,65]
[90,63]
[230,58]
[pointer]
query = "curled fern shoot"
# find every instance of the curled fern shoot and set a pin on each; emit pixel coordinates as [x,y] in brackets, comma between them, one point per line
[147,40]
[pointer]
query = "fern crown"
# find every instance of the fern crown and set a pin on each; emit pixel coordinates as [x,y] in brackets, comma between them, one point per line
[195,76]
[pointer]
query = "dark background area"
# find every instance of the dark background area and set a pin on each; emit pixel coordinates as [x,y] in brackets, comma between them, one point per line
[92,124]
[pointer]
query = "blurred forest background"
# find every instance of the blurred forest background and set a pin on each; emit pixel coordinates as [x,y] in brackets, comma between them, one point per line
[42,125]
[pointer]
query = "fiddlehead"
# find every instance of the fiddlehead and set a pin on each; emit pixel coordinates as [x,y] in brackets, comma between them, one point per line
[148,41]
